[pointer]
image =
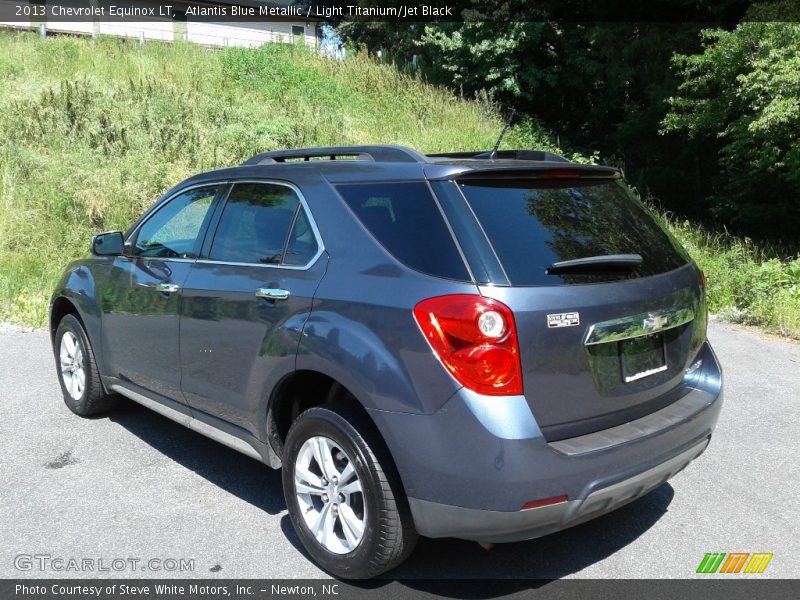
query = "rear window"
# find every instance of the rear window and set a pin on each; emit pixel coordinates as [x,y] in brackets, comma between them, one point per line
[533,225]
[255,224]
[405,219]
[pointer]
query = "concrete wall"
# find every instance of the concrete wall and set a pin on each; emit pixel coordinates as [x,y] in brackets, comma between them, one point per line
[247,33]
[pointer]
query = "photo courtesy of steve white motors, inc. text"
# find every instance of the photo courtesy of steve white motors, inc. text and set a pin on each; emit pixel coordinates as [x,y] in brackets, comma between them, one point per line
[161,590]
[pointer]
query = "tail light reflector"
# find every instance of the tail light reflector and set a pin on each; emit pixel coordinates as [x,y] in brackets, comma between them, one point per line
[475,339]
[544,502]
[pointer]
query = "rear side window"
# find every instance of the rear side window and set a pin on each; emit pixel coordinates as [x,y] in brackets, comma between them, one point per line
[255,223]
[302,244]
[531,225]
[405,219]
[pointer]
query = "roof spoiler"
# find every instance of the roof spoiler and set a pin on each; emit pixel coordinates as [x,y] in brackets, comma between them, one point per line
[535,155]
[544,171]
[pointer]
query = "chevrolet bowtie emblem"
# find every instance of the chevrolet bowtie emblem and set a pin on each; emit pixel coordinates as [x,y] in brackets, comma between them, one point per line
[655,322]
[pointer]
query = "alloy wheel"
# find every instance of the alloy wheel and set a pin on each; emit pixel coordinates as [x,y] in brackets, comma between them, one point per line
[73,371]
[330,495]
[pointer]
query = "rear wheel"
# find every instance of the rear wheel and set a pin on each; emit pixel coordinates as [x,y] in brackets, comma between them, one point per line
[77,370]
[343,496]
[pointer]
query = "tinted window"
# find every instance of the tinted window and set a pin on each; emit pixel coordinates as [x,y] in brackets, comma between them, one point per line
[255,224]
[172,231]
[302,244]
[533,227]
[404,218]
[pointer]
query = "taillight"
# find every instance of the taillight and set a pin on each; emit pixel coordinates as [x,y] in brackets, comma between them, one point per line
[475,339]
[703,280]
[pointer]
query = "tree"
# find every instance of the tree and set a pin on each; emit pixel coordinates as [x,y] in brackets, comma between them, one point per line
[513,63]
[727,150]
[741,97]
[598,86]
[396,39]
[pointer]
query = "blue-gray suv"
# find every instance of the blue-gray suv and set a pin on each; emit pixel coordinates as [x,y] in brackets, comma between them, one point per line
[490,346]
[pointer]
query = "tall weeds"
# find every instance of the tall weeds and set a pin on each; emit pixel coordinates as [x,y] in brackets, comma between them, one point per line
[93,131]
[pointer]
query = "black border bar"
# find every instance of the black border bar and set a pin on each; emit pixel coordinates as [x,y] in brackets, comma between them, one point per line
[703,587]
[335,11]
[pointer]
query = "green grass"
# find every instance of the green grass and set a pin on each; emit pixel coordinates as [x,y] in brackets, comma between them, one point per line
[747,283]
[93,131]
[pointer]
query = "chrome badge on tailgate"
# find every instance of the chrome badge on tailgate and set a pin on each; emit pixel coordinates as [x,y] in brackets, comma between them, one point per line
[570,319]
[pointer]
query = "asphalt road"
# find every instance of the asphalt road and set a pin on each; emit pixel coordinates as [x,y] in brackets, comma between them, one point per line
[136,485]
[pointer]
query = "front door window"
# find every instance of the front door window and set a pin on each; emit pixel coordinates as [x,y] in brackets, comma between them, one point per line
[172,232]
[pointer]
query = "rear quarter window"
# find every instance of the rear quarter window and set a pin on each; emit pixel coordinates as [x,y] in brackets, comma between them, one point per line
[533,224]
[406,220]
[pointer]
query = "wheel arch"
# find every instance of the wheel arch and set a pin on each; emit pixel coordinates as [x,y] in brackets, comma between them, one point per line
[76,293]
[303,389]
[60,308]
[298,391]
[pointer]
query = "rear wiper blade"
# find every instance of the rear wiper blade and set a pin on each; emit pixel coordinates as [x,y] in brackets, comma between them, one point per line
[606,262]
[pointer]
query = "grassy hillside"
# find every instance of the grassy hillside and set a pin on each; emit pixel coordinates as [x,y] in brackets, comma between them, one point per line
[92,131]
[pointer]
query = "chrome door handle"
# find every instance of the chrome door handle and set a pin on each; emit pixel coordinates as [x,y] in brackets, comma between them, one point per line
[167,288]
[272,293]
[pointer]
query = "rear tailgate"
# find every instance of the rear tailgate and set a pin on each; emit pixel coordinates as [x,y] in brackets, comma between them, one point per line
[600,345]
[574,387]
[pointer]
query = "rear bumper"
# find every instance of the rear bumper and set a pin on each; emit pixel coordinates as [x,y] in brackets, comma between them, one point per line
[441,520]
[470,467]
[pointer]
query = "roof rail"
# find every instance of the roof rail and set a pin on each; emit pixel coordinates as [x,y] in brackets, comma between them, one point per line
[375,153]
[537,155]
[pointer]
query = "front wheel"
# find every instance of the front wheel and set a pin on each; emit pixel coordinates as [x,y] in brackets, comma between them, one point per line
[77,370]
[343,496]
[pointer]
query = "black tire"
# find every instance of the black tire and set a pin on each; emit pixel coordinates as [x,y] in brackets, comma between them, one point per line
[92,398]
[389,535]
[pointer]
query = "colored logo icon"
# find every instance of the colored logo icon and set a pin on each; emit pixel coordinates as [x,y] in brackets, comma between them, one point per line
[734,562]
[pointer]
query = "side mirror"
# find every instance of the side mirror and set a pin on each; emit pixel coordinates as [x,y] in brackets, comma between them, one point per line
[109,243]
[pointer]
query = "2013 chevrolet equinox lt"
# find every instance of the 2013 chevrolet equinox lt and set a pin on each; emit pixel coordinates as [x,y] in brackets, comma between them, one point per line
[485,346]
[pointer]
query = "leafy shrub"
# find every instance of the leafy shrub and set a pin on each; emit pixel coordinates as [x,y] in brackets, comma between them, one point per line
[746,283]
